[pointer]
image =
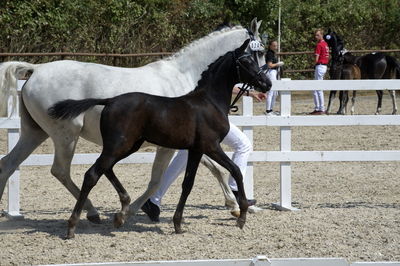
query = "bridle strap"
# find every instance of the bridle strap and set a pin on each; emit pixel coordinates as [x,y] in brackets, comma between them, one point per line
[245,87]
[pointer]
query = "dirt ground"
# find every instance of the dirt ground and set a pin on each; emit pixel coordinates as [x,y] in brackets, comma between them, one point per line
[349,210]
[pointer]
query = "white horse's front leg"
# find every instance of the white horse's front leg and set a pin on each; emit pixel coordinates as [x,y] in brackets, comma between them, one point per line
[223,177]
[161,162]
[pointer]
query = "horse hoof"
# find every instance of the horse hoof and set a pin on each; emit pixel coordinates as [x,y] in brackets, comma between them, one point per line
[235,214]
[178,231]
[94,219]
[119,220]
[70,235]
[240,223]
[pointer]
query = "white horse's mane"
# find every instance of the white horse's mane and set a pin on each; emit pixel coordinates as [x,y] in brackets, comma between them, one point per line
[202,41]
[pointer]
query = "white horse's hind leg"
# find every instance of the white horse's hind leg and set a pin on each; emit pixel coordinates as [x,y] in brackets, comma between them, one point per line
[25,146]
[223,179]
[161,161]
[31,137]
[63,154]
[393,96]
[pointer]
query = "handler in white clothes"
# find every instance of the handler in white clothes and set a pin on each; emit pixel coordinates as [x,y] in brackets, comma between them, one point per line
[272,73]
[235,139]
[321,62]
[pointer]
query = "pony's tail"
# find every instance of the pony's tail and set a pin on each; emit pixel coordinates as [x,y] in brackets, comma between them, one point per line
[69,109]
[396,65]
[9,73]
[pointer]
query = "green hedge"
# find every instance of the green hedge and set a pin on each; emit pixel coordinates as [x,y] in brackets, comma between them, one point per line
[124,26]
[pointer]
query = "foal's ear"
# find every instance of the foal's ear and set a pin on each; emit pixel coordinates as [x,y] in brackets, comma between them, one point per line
[243,47]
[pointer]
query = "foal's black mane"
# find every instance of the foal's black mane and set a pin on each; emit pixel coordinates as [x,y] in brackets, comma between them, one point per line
[212,68]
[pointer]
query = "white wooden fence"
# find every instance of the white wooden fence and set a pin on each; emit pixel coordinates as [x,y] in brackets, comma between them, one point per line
[285,156]
[256,261]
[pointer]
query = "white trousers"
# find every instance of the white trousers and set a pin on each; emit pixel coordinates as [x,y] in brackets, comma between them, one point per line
[272,95]
[235,139]
[320,71]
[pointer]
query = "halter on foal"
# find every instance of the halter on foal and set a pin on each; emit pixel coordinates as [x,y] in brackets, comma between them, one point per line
[197,121]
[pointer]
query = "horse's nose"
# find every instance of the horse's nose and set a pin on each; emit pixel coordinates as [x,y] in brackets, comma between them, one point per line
[267,82]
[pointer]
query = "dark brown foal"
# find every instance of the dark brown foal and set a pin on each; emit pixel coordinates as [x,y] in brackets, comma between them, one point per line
[197,121]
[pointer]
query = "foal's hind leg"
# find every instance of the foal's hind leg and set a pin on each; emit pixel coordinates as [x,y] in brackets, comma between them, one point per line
[187,185]
[120,217]
[392,94]
[102,164]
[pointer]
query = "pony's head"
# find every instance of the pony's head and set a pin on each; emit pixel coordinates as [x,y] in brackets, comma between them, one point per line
[248,70]
[337,51]
[335,42]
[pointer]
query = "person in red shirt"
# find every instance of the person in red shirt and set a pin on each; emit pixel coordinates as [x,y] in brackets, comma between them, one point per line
[321,62]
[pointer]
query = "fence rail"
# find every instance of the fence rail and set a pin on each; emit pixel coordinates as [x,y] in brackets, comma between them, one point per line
[256,261]
[286,121]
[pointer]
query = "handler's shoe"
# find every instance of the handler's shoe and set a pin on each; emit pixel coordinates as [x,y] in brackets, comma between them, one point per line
[315,112]
[251,202]
[152,210]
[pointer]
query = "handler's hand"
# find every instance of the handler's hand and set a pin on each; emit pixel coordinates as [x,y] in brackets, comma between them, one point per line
[258,96]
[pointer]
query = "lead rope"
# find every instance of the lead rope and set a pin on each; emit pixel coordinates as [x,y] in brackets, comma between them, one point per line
[245,88]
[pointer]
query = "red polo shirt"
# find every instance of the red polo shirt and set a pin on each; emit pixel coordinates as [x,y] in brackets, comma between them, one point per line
[322,49]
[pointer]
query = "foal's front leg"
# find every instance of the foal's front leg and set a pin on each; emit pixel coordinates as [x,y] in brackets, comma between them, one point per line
[223,179]
[221,158]
[187,185]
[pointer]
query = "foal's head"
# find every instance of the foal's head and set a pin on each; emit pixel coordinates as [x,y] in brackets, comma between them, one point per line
[248,70]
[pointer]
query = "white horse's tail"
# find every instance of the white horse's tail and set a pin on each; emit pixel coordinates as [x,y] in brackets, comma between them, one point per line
[9,73]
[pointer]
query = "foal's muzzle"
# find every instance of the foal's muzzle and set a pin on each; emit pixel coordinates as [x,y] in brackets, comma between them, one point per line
[264,83]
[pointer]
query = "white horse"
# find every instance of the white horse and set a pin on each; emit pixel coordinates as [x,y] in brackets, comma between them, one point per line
[60,80]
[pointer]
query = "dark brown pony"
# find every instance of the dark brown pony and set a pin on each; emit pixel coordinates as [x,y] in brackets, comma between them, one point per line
[372,66]
[339,69]
[197,121]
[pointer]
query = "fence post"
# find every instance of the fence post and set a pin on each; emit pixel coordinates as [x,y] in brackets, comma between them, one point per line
[285,203]
[248,131]
[13,182]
